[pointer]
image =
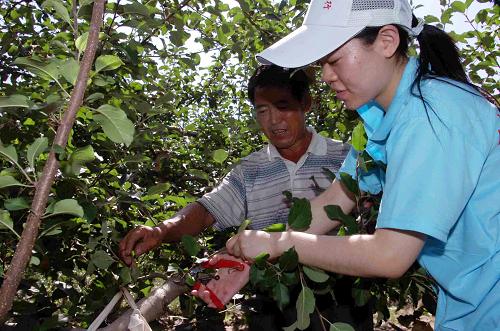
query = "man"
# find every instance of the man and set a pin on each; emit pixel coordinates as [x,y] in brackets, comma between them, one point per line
[293,161]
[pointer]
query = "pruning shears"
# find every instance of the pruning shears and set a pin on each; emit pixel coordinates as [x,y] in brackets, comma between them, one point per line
[204,272]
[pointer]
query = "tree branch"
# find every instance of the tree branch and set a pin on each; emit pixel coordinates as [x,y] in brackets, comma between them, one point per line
[151,307]
[22,255]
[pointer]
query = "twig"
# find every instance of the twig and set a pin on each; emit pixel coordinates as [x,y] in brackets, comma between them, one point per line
[320,318]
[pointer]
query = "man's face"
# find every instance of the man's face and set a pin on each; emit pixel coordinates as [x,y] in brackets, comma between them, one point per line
[281,117]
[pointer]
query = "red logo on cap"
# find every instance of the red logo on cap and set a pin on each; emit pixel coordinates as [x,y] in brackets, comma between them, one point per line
[327,5]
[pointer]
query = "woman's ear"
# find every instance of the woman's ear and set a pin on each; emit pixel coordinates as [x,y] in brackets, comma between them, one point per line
[387,41]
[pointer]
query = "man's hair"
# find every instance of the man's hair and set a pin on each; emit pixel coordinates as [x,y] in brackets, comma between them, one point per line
[274,76]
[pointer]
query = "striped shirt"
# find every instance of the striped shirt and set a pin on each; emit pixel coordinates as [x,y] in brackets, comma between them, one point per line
[254,188]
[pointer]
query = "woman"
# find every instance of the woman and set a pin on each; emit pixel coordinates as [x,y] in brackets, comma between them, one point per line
[439,139]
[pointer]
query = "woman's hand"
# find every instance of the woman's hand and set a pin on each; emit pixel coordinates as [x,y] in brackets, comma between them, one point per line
[250,243]
[230,282]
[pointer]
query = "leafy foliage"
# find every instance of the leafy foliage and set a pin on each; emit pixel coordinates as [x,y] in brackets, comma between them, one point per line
[159,125]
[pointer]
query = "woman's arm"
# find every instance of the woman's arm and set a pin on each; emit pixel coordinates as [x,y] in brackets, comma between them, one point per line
[335,194]
[386,253]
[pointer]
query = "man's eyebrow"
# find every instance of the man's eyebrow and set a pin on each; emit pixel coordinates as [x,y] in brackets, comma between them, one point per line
[282,101]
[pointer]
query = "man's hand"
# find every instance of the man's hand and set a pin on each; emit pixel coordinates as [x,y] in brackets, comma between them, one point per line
[139,240]
[250,243]
[229,283]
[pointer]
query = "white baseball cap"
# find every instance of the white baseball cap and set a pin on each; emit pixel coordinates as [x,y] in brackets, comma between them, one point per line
[329,24]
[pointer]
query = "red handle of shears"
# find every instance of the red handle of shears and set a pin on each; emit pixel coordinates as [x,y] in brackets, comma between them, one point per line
[223,263]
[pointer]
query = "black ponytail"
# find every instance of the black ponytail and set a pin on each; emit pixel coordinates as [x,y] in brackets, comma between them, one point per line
[439,58]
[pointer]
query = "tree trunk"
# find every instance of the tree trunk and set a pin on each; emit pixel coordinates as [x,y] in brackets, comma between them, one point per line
[22,255]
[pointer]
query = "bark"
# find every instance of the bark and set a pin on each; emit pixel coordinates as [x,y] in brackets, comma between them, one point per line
[151,307]
[24,248]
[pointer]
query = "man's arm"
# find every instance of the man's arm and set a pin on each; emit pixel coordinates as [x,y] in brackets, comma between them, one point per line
[335,194]
[190,220]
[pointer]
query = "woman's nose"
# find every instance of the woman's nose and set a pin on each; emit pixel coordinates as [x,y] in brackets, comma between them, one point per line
[328,75]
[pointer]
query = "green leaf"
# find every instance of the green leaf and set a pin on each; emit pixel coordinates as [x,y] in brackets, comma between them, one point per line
[300,215]
[81,42]
[9,152]
[34,260]
[289,278]
[360,296]
[256,275]
[281,295]
[261,259]
[136,8]
[220,155]
[115,124]
[125,275]
[107,62]
[69,70]
[292,327]
[289,260]
[199,174]
[36,148]
[243,226]
[16,204]
[59,7]
[6,222]
[430,19]
[48,72]
[81,156]
[59,151]
[277,227]
[6,181]
[305,306]
[52,231]
[350,183]
[102,260]
[67,206]
[94,96]
[339,326]
[458,6]
[334,212]
[190,245]
[159,188]
[359,137]
[14,100]
[179,37]
[315,274]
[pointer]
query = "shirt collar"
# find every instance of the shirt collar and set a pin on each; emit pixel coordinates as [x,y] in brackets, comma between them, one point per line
[317,146]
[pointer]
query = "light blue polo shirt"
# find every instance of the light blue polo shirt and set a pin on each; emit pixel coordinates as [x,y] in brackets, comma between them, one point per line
[443,180]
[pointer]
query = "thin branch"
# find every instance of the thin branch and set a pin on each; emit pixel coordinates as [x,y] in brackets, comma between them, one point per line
[320,318]
[74,12]
[19,166]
